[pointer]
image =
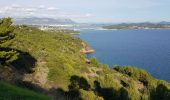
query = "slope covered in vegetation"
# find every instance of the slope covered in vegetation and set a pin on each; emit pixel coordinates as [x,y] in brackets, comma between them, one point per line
[51,63]
[10,92]
[56,54]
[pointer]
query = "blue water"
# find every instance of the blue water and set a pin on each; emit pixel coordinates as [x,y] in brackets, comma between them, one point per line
[147,49]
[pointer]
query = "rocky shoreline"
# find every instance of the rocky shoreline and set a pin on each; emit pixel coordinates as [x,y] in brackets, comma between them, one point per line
[86,49]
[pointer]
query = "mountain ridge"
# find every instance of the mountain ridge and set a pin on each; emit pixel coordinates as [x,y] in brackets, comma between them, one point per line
[42,21]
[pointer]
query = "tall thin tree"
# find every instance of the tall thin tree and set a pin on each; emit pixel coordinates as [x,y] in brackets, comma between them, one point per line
[6,34]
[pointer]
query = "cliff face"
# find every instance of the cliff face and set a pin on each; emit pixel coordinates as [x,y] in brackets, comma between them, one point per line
[86,49]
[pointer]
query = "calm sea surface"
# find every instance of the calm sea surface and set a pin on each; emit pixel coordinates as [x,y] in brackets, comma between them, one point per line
[147,49]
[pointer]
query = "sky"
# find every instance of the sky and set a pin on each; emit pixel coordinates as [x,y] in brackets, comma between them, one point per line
[89,11]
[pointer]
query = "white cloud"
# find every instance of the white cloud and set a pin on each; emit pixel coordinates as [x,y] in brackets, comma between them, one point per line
[88,15]
[15,6]
[41,7]
[40,11]
[30,9]
[52,8]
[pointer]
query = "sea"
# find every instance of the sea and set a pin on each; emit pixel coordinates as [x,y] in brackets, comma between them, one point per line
[148,49]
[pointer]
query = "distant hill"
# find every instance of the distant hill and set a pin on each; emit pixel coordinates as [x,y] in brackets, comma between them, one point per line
[164,22]
[144,25]
[40,21]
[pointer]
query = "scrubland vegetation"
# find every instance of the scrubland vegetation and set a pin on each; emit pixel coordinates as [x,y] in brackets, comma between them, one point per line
[51,63]
[10,92]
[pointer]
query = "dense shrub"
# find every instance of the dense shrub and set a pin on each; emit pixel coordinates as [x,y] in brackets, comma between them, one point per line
[160,93]
[89,95]
[135,73]
[77,82]
[94,62]
[123,94]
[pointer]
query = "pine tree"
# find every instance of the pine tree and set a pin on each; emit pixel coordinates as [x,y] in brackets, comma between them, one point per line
[7,55]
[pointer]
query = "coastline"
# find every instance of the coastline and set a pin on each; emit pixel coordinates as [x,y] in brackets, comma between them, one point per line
[86,48]
[137,29]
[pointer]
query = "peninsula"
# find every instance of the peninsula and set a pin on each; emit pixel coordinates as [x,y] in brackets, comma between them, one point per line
[145,25]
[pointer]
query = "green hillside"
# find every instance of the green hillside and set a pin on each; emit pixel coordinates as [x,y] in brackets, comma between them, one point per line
[10,92]
[51,63]
[57,53]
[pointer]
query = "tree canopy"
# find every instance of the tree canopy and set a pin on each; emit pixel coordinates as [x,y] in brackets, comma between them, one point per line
[7,55]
